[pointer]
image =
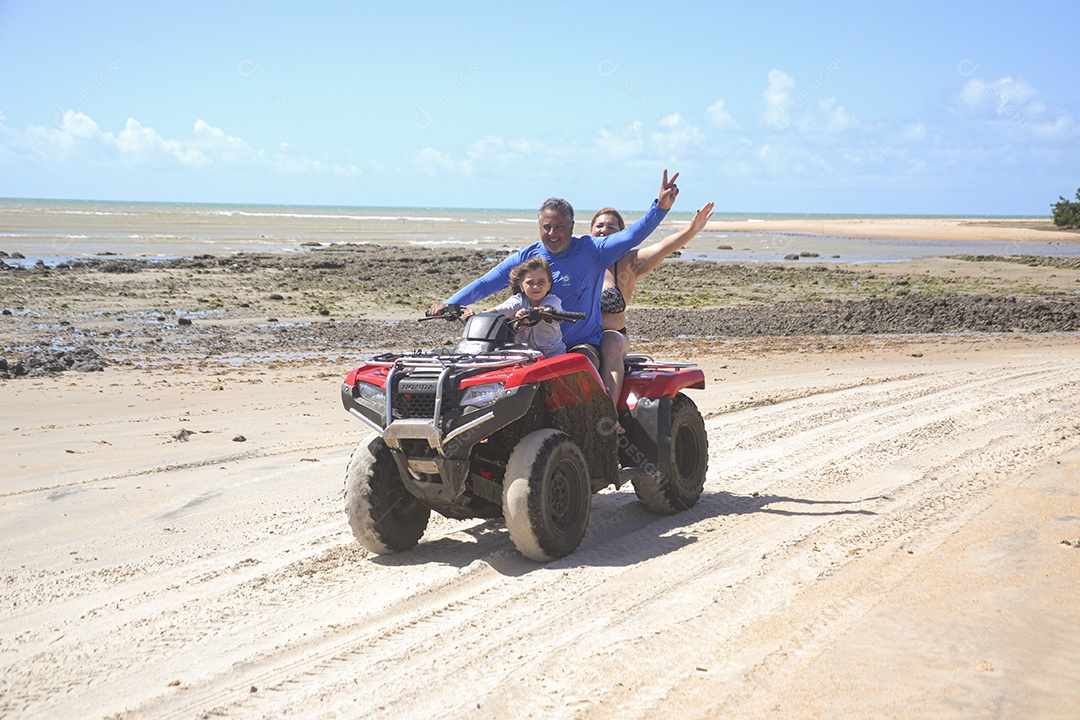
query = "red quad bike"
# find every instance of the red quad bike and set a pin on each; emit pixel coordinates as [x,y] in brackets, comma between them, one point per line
[492,428]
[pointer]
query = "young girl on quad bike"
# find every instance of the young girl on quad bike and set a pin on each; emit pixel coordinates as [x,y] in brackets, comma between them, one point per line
[530,285]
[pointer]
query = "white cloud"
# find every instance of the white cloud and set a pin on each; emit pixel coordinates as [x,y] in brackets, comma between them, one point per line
[670,121]
[790,160]
[1007,90]
[520,155]
[627,146]
[1063,128]
[211,138]
[777,97]
[77,125]
[1003,96]
[829,117]
[914,133]
[719,117]
[433,162]
[77,138]
[138,145]
[491,152]
[674,137]
[505,150]
[626,143]
[786,107]
[57,144]
[1008,108]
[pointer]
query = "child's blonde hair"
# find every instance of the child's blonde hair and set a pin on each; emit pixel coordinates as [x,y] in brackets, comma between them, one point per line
[519,272]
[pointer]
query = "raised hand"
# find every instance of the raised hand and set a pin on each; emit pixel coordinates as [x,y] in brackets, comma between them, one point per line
[668,191]
[700,218]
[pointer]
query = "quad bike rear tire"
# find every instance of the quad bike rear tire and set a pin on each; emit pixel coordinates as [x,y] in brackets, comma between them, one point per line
[680,478]
[385,518]
[546,495]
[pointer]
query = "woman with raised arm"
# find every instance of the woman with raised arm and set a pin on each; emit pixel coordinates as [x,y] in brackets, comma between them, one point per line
[618,288]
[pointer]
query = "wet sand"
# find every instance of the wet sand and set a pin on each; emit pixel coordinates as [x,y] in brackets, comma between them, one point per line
[55,232]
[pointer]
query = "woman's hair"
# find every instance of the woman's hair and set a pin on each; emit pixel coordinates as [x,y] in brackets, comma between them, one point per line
[536,263]
[608,211]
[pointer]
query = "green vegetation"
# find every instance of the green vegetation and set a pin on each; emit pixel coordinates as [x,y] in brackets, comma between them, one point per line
[1067,213]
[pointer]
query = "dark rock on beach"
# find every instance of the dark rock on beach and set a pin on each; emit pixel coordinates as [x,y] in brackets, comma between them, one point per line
[39,363]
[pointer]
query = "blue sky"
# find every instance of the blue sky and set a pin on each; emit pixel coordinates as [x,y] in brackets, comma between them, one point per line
[895,107]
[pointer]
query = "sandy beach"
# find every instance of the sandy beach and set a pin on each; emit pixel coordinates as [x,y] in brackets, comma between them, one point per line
[964,229]
[890,525]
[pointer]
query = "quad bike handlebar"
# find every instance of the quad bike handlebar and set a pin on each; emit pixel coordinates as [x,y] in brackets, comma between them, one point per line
[536,315]
[454,311]
[450,311]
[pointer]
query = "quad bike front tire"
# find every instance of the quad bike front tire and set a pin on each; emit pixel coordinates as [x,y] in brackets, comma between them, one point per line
[679,479]
[385,518]
[546,495]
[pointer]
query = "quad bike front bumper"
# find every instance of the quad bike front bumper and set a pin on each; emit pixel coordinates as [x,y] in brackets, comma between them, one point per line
[433,454]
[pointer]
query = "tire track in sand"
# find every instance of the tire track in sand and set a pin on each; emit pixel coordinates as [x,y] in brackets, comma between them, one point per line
[708,603]
[512,638]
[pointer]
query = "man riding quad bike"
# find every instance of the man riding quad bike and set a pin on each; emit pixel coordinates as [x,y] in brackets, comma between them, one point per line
[491,428]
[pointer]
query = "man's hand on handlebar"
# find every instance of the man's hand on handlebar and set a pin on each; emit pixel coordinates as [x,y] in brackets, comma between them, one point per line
[447,311]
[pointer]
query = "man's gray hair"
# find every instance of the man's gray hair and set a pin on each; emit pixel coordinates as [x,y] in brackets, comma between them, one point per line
[560,206]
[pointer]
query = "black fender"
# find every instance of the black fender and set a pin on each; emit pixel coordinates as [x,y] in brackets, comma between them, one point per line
[647,441]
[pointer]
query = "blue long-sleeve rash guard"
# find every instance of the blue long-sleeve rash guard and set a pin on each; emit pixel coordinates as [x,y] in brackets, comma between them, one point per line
[578,272]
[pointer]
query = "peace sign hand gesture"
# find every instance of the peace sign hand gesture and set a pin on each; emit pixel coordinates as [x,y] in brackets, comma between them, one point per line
[668,191]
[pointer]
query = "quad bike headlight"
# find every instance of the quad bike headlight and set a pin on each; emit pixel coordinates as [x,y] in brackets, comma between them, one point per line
[481,395]
[371,395]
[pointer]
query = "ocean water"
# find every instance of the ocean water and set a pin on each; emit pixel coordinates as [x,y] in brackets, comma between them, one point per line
[56,230]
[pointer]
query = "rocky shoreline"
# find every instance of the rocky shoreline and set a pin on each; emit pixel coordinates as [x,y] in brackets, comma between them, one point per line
[879,316]
[82,314]
[41,362]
